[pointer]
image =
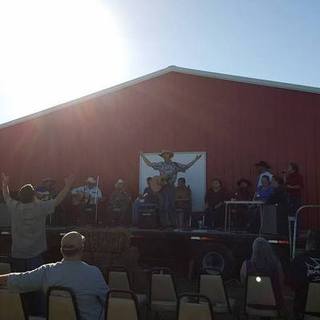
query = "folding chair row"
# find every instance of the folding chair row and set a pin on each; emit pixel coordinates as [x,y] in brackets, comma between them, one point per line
[261,299]
[163,292]
[62,304]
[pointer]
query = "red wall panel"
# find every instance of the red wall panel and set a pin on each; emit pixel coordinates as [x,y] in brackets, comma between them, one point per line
[237,124]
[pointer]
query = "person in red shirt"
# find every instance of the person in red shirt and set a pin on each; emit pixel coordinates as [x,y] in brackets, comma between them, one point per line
[294,185]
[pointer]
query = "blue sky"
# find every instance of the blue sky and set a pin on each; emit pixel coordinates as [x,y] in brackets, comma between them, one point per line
[55,51]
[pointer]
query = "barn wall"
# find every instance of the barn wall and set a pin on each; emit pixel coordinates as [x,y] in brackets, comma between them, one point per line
[237,124]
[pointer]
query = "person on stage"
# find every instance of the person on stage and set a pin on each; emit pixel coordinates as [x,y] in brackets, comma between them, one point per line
[119,207]
[86,198]
[46,190]
[168,170]
[294,185]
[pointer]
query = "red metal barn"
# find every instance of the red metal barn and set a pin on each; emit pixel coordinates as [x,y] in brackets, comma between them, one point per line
[236,120]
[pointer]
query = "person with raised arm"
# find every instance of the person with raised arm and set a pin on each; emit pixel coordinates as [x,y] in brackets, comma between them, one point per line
[28,229]
[168,170]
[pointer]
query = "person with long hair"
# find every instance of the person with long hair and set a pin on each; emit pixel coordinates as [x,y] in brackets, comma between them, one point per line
[263,261]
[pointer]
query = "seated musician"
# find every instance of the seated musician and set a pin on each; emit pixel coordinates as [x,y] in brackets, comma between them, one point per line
[149,199]
[242,193]
[214,199]
[119,206]
[46,190]
[183,202]
[149,196]
[86,197]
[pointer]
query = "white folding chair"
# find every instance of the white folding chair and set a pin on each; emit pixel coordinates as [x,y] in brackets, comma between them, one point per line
[163,293]
[121,304]
[194,307]
[212,286]
[11,307]
[260,299]
[61,304]
[312,308]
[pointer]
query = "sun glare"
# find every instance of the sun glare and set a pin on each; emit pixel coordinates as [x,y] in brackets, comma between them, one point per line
[54,51]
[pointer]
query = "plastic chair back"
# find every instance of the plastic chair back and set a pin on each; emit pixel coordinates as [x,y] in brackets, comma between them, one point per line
[312,307]
[118,307]
[163,287]
[259,297]
[194,307]
[212,286]
[61,304]
[11,307]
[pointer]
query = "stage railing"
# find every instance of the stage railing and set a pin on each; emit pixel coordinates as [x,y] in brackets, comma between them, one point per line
[294,220]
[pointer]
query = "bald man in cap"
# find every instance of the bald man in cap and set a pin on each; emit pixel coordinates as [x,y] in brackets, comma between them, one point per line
[84,280]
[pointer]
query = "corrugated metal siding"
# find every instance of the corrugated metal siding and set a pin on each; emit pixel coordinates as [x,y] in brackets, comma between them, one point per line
[237,124]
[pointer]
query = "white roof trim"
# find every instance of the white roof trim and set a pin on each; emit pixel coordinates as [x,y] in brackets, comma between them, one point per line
[152,75]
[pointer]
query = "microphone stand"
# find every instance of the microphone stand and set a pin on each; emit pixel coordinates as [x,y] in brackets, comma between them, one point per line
[95,200]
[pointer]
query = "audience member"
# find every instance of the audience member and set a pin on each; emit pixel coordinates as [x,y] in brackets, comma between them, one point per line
[84,280]
[149,195]
[265,190]
[279,198]
[119,206]
[294,185]
[263,170]
[263,261]
[183,202]
[86,198]
[214,200]
[28,229]
[305,268]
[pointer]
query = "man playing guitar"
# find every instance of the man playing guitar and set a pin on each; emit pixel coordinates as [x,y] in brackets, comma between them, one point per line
[86,197]
[168,170]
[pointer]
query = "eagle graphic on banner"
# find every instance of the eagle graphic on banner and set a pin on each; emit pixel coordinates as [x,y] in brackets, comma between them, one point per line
[313,269]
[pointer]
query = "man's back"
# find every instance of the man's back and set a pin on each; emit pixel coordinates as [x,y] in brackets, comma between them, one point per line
[86,282]
[28,227]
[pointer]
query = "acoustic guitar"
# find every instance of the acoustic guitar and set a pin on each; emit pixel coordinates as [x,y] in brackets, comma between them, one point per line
[158,182]
[80,198]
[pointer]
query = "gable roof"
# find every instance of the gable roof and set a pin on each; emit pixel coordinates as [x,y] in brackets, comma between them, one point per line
[205,74]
